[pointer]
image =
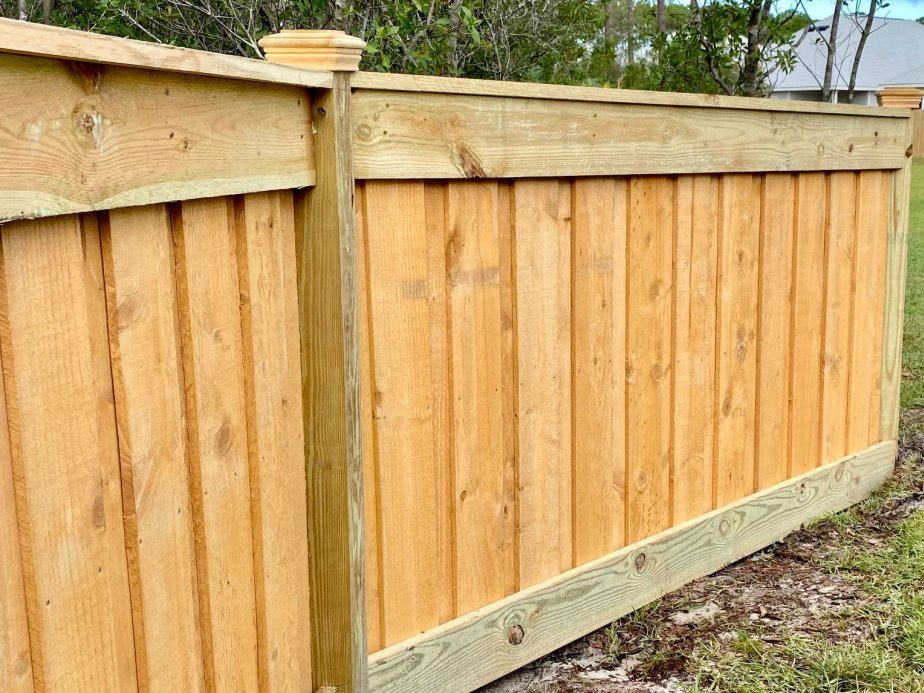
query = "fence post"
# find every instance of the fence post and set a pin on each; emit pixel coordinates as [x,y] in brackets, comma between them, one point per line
[325,245]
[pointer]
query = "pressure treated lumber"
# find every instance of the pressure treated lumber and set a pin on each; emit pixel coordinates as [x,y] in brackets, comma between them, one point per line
[28,38]
[475,649]
[79,137]
[407,135]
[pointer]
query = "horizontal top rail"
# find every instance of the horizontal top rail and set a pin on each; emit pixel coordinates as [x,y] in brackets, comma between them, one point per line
[482,87]
[26,38]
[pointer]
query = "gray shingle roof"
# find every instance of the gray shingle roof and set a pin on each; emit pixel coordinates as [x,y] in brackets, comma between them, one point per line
[894,54]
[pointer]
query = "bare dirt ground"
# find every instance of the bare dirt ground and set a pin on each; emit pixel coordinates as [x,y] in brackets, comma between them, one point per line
[797,591]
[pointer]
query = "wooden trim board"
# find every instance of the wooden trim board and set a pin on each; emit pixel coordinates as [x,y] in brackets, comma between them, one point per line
[473,650]
[484,87]
[78,137]
[27,38]
[401,135]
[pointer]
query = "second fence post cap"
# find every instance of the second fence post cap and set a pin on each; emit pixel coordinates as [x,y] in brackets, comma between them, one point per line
[315,48]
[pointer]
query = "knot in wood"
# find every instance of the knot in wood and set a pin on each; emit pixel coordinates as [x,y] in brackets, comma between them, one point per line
[640,560]
[515,634]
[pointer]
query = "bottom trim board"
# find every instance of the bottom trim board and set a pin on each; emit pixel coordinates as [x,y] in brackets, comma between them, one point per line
[477,648]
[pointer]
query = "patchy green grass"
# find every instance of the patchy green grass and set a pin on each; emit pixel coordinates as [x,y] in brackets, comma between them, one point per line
[913,361]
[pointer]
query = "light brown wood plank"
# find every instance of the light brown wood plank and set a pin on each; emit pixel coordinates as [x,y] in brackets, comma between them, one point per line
[696,248]
[407,304]
[265,238]
[736,396]
[325,239]
[599,334]
[869,299]
[208,296]
[542,212]
[648,356]
[15,655]
[81,137]
[898,202]
[776,291]
[471,651]
[484,529]
[807,323]
[839,308]
[150,409]
[407,135]
[59,399]
[40,40]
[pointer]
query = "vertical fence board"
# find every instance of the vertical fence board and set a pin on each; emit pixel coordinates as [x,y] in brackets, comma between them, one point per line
[696,248]
[405,312]
[265,238]
[542,211]
[599,337]
[869,296]
[57,376]
[210,326]
[147,376]
[775,311]
[15,656]
[483,520]
[648,357]
[807,322]
[839,306]
[737,338]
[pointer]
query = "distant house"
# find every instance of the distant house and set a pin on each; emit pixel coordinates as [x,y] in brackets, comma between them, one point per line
[893,56]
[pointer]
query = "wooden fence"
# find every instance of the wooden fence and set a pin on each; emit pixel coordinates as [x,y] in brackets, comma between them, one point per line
[568,350]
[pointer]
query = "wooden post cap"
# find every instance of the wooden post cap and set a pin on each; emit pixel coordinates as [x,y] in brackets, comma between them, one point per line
[317,49]
[900,97]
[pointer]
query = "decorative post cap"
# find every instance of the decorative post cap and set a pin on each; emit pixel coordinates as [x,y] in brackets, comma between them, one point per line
[314,48]
[900,97]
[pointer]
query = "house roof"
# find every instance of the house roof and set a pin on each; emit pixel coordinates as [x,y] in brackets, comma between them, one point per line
[893,55]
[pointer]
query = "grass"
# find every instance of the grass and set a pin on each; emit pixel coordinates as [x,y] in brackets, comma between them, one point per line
[913,361]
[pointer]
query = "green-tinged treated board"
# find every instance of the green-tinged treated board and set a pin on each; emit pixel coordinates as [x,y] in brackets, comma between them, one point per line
[482,489]
[79,137]
[774,331]
[58,387]
[805,374]
[840,239]
[542,229]
[400,135]
[208,297]
[648,356]
[736,345]
[695,283]
[475,649]
[148,381]
[265,237]
[873,187]
[599,338]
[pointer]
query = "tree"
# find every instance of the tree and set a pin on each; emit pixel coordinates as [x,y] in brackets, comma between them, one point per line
[832,50]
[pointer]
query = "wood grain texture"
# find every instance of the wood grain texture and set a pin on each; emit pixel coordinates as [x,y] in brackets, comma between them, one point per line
[208,296]
[840,240]
[542,229]
[870,260]
[30,38]
[695,285]
[736,345]
[599,394]
[426,84]
[330,369]
[150,410]
[807,323]
[81,137]
[15,655]
[648,356]
[265,238]
[474,649]
[408,320]
[58,388]
[482,488]
[896,268]
[774,331]
[406,135]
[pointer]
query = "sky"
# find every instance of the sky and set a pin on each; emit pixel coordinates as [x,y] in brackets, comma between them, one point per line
[898,9]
